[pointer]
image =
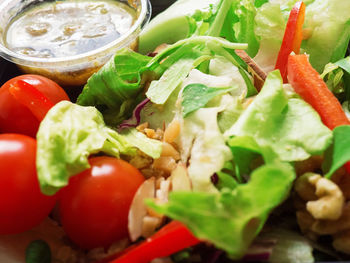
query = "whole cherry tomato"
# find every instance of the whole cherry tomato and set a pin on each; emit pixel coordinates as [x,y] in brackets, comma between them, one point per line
[22,205]
[94,206]
[15,117]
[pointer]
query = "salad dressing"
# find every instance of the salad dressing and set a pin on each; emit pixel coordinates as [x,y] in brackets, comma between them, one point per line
[67,28]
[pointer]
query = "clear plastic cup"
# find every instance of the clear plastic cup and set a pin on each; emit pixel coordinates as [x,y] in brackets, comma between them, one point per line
[70,70]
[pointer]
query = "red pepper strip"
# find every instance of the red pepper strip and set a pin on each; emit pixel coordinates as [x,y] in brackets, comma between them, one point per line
[168,240]
[292,38]
[32,98]
[309,85]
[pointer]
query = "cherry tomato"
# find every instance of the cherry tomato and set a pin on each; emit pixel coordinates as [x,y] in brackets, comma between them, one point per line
[94,206]
[15,117]
[22,205]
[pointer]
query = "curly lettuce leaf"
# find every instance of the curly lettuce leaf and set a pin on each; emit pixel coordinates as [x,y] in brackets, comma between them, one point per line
[326,21]
[231,219]
[175,63]
[291,127]
[179,21]
[67,136]
[329,22]
[115,86]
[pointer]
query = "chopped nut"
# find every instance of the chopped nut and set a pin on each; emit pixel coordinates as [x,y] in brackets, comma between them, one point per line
[163,192]
[141,161]
[331,199]
[328,227]
[149,225]
[138,209]
[179,179]
[142,127]
[304,189]
[150,133]
[172,131]
[170,151]
[165,163]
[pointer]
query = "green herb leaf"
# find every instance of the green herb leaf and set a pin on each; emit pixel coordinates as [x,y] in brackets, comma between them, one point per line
[339,154]
[196,96]
[231,219]
[38,251]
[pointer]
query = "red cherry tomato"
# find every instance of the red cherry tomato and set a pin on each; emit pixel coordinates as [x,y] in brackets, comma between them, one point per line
[22,205]
[94,206]
[15,117]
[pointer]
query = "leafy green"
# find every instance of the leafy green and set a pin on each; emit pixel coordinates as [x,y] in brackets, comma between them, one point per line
[160,90]
[337,77]
[114,87]
[38,251]
[245,26]
[339,153]
[327,22]
[152,148]
[204,145]
[240,212]
[67,136]
[289,126]
[227,177]
[179,21]
[195,96]
[246,153]
[179,59]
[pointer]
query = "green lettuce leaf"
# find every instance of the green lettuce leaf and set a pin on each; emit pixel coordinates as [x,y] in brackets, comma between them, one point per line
[290,126]
[115,86]
[230,19]
[327,21]
[339,153]
[196,96]
[179,21]
[175,62]
[246,153]
[231,219]
[245,26]
[67,136]
[160,90]
[149,146]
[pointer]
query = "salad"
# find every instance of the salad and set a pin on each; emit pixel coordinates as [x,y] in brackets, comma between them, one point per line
[224,139]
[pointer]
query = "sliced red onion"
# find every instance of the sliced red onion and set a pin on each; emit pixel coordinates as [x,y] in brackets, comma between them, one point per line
[135,119]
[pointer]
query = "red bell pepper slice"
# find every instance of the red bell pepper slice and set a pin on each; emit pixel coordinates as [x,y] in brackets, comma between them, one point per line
[168,240]
[310,86]
[32,98]
[292,38]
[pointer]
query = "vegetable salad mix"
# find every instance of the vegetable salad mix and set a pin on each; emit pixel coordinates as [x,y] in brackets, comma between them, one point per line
[224,139]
